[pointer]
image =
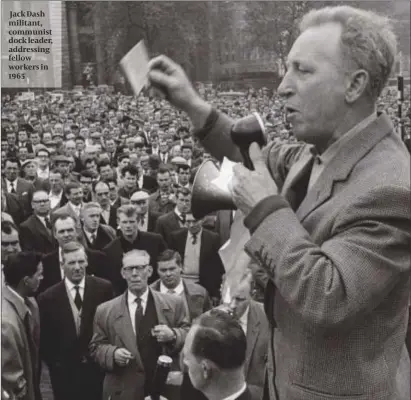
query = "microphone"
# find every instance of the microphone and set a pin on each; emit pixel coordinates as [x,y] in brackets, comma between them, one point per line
[246,131]
[160,376]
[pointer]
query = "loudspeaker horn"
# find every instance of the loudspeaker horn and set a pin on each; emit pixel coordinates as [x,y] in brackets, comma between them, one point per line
[206,196]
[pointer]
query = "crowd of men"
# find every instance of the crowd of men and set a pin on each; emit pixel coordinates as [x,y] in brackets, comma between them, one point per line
[97,225]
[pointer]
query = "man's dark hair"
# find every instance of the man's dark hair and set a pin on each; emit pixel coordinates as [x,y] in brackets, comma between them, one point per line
[163,170]
[168,255]
[8,227]
[13,160]
[18,266]
[131,169]
[103,163]
[110,180]
[182,129]
[89,160]
[183,191]
[86,174]
[220,339]
[80,138]
[70,186]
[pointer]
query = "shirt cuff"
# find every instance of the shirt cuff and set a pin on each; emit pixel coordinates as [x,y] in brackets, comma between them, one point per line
[208,126]
[262,210]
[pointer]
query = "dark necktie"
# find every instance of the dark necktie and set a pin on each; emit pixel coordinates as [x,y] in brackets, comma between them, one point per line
[29,327]
[12,188]
[92,238]
[194,239]
[183,219]
[48,223]
[77,298]
[142,218]
[138,316]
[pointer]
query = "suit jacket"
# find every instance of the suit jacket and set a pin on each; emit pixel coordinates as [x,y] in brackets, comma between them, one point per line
[113,329]
[211,268]
[198,300]
[97,266]
[63,202]
[41,184]
[149,184]
[15,208]
[167,224]
[65,352]
[105,234]
[339,264]
[258,339]
[151,242]
[24,192]
[20,352]
[112,219]
[155,206]
[34,236]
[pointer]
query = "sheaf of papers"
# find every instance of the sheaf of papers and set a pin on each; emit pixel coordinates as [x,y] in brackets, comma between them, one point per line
[226,175]
[135,67]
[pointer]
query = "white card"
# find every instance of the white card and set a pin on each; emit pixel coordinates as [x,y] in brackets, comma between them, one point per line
[135,67]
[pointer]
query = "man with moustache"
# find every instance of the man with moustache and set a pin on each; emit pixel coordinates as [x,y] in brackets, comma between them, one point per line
[134,329]
[327,219]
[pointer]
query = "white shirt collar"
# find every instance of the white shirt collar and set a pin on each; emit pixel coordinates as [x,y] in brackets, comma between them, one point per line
[70,285]
[131,298]
[179,215]
[244,319]
[16,294]
[179,289]
[88,234]
[237,394]
[12,182]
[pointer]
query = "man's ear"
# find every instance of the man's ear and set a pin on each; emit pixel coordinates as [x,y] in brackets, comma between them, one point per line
[150,271]
[357,83]
[207,369]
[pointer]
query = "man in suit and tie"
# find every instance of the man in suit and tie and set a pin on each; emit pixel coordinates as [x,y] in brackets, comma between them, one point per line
[101,193]
[324,224]
[96,235]
[145,218]
[214,354]
[20,327]
[74,194]
[20,187]
[198,248]
[134,329]
[36,232]
[131,238]
[145,182]
[129,176]
[176,219]
[66,314]
[56,195]
[64,231]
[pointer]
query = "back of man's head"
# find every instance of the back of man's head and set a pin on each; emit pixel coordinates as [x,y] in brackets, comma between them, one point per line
[220,339]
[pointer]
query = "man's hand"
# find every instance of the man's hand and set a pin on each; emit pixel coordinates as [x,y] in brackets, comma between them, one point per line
[250,187]
[122,357]
[170,78]
[163,333]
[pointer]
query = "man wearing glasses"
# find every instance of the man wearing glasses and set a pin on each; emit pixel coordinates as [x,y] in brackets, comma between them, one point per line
[36,231]
[134,329]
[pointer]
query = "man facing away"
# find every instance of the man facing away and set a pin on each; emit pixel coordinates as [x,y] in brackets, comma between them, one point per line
[214,354]
[134,329]
[20,326]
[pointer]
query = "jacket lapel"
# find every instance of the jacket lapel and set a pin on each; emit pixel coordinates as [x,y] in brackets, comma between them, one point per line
[64,307]
[342,164]
[41,229]
[87,306]
[164,312]
[253,330]
[124,326]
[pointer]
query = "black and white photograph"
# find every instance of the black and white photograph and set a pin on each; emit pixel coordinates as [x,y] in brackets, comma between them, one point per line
[205,200]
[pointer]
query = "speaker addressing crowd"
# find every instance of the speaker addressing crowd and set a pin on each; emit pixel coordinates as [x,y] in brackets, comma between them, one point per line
[96,177]
[329,218]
